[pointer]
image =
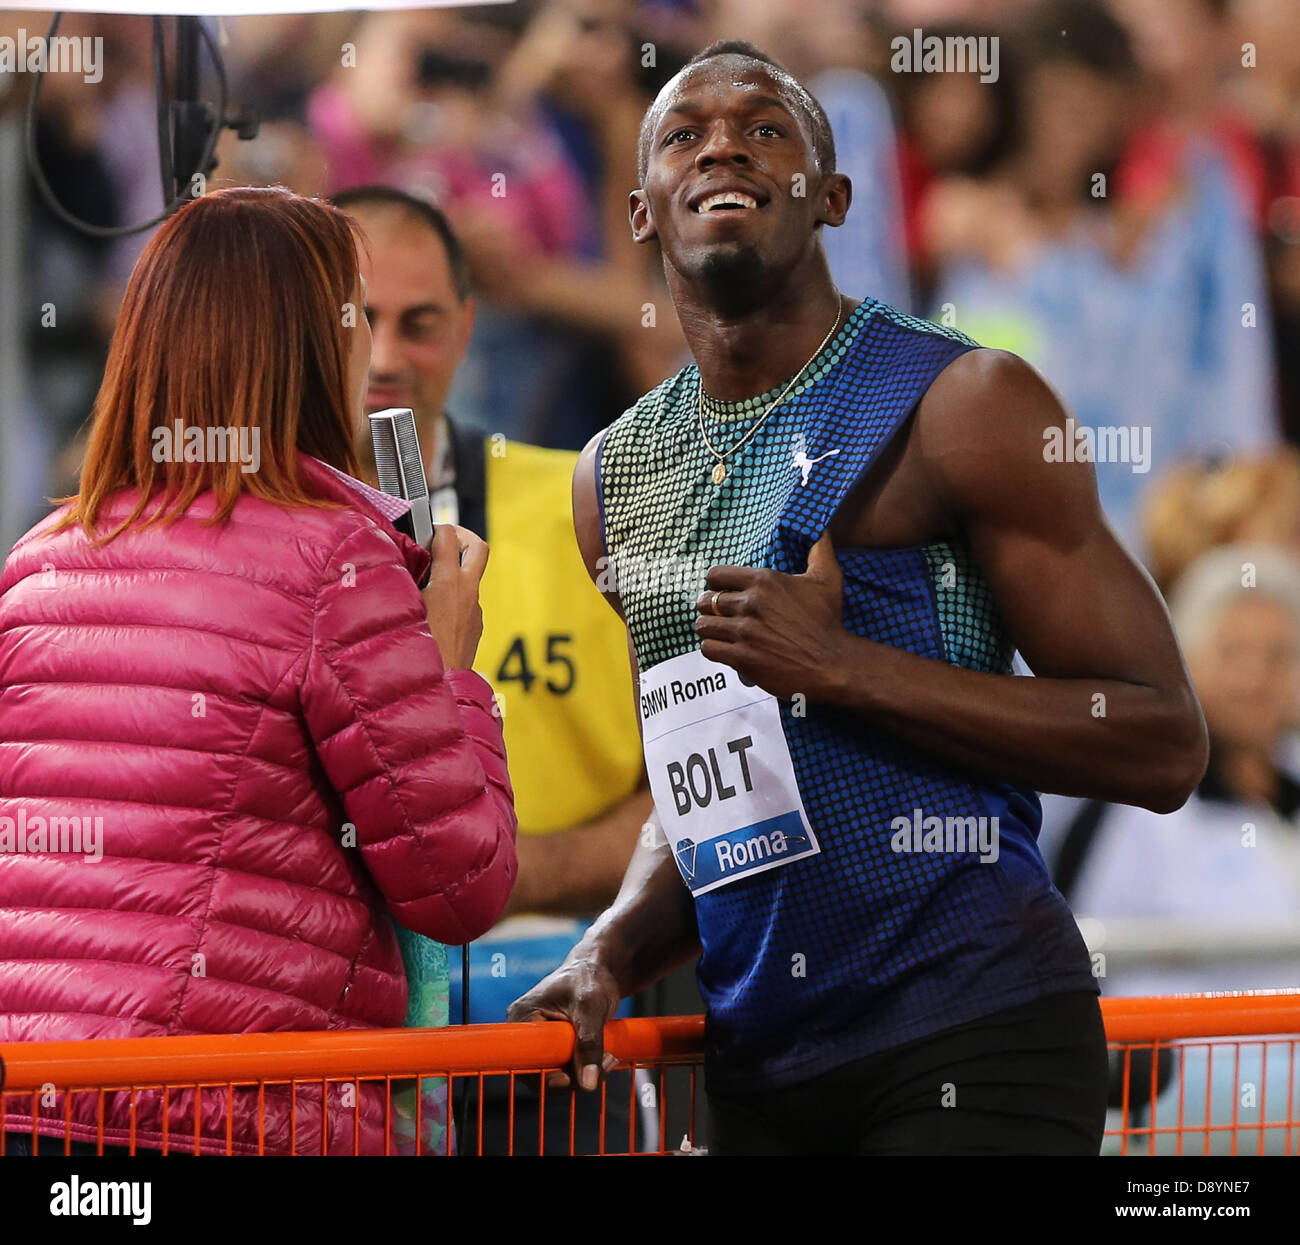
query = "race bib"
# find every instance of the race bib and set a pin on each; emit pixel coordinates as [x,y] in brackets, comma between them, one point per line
[720,772]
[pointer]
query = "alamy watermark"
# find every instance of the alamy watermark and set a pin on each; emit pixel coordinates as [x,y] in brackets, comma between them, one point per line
[922,53]
[179,444]
[24,53]
[39,836]
[921,834]
[1108,443]
[122,1199]
[636,572]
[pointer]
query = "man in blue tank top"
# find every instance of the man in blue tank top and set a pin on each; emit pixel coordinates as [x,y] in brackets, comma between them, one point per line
[827,537]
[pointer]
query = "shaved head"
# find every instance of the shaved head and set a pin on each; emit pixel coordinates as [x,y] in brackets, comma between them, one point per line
[801,100]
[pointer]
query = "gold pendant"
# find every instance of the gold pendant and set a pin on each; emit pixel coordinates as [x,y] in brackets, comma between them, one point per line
[719,473]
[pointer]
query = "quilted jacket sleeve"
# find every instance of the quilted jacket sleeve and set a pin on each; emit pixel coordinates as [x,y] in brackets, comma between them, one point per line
[414,751]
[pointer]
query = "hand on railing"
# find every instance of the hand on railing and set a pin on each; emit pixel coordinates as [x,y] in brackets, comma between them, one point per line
[584,993]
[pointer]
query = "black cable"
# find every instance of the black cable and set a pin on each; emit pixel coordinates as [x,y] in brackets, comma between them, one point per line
[464,1019]
[464,984]
[205,164]
[208,161]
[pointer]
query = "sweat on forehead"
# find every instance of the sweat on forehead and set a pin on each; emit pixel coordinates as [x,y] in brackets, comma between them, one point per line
[741,70]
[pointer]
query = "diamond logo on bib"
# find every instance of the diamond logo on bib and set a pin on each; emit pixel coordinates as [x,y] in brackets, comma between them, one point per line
[685,852]
[721,773]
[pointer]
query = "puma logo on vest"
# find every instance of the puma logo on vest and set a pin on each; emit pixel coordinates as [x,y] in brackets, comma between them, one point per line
[806,464]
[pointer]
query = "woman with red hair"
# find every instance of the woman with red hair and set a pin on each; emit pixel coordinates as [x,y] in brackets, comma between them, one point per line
[234,735]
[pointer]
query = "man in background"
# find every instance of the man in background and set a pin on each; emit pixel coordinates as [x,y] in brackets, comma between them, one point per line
[551,649]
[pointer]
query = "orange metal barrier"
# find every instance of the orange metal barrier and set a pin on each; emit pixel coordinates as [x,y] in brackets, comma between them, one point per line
[1224,1082]
[340,1092]
[1204,1074]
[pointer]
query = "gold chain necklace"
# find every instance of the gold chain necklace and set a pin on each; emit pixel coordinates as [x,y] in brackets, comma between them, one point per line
[720,467]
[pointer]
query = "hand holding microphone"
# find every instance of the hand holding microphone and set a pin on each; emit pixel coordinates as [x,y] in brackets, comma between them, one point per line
[459,557]
[455,615]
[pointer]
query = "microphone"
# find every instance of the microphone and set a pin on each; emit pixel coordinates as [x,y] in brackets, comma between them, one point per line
[399,465]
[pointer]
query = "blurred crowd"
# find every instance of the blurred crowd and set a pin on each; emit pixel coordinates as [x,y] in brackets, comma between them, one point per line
[1119,201]
[1119,204]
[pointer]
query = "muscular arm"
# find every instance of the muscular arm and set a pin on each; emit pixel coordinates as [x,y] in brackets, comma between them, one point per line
[649,930]
[1111,715]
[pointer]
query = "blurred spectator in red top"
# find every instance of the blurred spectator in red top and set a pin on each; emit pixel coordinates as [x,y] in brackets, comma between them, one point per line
[1190,52]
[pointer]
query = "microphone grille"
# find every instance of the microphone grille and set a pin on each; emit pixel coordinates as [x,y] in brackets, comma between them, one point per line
[387,469]
[409,458]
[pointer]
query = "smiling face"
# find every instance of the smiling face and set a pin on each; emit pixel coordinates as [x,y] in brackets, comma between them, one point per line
[732,186]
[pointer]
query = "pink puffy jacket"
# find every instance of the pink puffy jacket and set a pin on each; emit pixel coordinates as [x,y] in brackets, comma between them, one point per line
[231,707]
